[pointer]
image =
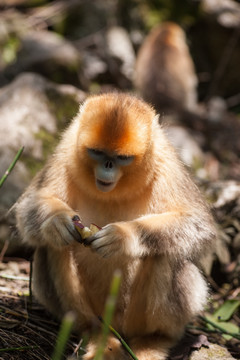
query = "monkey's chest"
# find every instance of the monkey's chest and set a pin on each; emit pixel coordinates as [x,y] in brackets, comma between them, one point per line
[103,214]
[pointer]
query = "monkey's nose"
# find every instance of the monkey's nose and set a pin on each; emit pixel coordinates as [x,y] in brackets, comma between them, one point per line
[108,164]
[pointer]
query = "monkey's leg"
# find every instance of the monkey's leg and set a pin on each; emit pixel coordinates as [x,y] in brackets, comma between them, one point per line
[58,287]
[164,298]
[43,284]
[150,347]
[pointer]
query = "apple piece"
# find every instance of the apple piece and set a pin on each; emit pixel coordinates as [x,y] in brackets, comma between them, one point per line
[94,228]
[84,231]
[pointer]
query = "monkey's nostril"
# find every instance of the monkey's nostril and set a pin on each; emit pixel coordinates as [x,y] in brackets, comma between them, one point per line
[108,164]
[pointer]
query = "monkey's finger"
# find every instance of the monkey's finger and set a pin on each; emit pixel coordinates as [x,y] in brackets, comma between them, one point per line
[64,229]
[97,244]
[73,231]
[75,234]
[103,244]
[96,236]
[104,250]
[88,241]
[93,238]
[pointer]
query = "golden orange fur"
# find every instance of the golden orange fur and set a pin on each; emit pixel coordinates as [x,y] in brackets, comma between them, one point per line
[155,228]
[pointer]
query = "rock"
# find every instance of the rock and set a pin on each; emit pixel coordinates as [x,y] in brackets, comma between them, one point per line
[49,54]
[110,58]
[226,11]
[225,198]
[226,192]
[32,111]
[213,352]
[120,46]
[186,146]
[216,109]
[197,347]
[94,67]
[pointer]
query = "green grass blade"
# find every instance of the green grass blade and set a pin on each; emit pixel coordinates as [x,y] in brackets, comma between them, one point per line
[63,336]
[108,314]
[7,172]
[222,327]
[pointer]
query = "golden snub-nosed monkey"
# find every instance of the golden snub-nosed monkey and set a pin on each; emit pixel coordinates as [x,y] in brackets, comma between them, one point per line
[115,167]
[165,74]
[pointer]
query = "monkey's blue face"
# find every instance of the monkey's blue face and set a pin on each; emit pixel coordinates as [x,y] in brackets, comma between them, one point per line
[108,168]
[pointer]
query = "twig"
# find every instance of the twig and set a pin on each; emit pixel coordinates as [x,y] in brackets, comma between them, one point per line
[13,277]
[32,328]
[40,328]
[202,330]
[78,347]
[20,348]
[12,312]
[30,284]
[219,328]
[7,172]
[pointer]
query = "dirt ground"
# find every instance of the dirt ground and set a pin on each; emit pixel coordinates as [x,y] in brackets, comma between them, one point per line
[27,331]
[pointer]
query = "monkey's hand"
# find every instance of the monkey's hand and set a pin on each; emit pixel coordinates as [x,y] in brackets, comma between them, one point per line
[111,240]
[59,229]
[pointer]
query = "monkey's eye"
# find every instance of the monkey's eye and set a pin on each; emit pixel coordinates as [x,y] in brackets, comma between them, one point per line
[124,159]
[95,154]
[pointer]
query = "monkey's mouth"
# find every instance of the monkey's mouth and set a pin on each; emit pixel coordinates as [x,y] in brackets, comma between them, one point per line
[105,186]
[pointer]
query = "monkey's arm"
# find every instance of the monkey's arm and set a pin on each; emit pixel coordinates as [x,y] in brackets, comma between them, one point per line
[44,219]
[176,233]
[180,233]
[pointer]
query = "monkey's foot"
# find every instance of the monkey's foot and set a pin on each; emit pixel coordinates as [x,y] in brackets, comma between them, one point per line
[113,350]
[150,347]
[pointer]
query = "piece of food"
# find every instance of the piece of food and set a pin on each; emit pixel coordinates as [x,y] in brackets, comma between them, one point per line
[84,231]
[94,228]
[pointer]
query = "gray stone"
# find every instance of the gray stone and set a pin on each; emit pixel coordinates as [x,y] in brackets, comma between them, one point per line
[214,352]
[32,113]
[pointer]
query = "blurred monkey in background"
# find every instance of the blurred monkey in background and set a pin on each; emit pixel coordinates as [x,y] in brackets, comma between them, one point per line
[165,74]
[115,167]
